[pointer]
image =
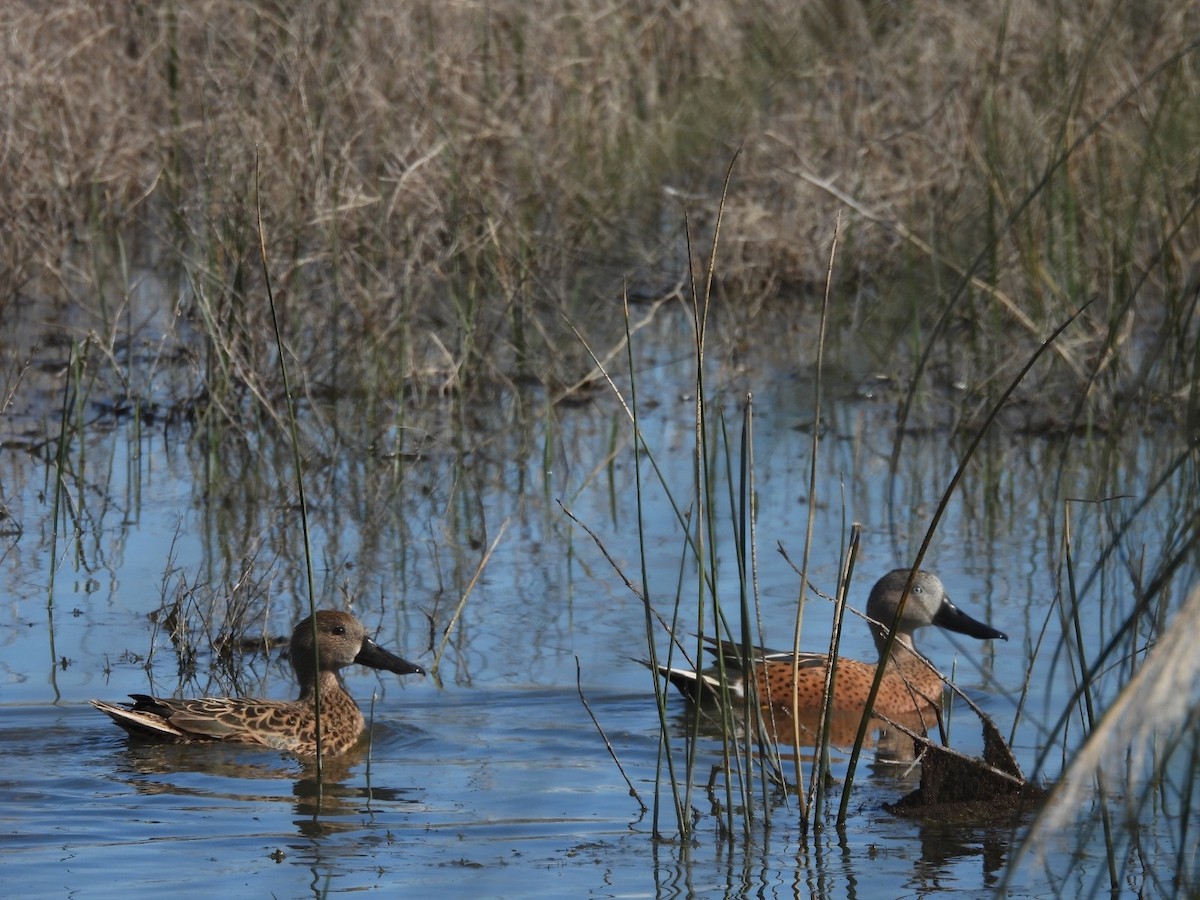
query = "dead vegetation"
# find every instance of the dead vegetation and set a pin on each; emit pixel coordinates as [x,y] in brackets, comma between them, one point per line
[444,187]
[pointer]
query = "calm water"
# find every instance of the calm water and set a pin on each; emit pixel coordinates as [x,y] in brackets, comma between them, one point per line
[491,779]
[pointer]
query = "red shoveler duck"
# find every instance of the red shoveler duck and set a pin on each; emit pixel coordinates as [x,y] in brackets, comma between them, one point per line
[910,688]
[281,724]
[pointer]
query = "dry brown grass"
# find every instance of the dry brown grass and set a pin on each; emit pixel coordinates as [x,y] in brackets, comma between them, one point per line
[440,182]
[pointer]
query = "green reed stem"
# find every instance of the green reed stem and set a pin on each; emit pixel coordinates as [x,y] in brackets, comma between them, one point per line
[462,601]
[700,519]
[70,395]
[821,770]
[806,551]
[757,737]
[660,686]
[297,460]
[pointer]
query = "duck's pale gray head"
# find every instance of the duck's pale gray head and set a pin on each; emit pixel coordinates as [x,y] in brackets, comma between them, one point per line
[341,640]
[927,604]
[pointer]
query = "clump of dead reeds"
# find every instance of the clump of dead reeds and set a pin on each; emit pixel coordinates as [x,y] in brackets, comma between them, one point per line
[442,185]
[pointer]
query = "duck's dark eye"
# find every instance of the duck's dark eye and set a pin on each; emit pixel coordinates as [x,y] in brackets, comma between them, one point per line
[917,589]
[339,629]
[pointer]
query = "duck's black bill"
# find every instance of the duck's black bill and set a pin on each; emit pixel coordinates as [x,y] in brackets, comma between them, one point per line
[954,619]
[376,657]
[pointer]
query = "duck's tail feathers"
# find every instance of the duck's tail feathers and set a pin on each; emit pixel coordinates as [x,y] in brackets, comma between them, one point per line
[140,723]
[696,686]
